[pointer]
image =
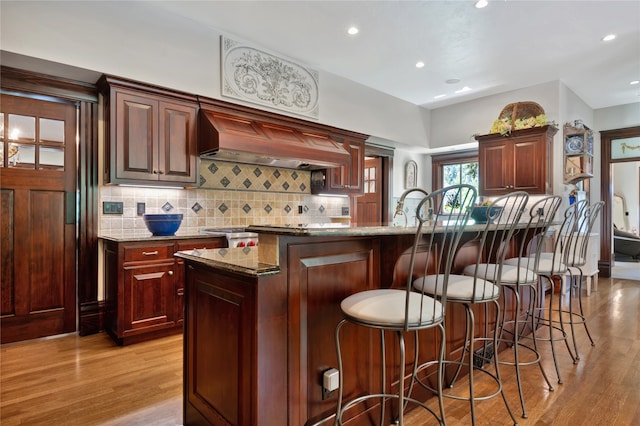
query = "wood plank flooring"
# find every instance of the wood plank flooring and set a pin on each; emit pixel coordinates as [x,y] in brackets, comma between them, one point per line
[71,380]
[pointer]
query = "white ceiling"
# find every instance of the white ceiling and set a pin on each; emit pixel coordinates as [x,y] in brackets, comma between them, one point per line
[508,45]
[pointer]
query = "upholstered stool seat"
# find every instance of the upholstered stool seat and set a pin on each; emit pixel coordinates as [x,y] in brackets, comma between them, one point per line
[460,288]
[387,308]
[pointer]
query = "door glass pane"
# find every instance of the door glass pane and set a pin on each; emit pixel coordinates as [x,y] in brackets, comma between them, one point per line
[51,158]
[21,155]
[51,130]
[22,128]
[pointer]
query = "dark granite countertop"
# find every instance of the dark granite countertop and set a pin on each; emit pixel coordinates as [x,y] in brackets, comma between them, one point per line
[134,238]
[240,260]
[333,230]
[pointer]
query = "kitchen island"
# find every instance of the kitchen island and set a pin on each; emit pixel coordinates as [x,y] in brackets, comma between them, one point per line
[260,321]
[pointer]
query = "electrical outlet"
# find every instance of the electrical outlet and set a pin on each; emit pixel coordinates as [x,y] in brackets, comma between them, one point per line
[299,209]
[140,208]
[345,211]
[112,207]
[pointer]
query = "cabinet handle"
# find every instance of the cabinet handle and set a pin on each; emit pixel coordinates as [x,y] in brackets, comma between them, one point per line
[150,253]
[169,272]
[155,172]
[181,292]
[160,172]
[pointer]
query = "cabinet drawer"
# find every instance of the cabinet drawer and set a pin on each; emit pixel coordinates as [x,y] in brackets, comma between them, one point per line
[134,254]
[199,244]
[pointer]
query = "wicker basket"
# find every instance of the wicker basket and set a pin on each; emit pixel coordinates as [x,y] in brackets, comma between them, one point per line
[521,110]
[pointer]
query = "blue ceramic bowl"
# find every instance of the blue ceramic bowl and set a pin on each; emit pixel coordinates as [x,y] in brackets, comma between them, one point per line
[162,225]
[479,213]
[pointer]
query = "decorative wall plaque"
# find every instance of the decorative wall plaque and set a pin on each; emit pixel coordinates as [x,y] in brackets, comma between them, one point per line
[257,76]
[410,174]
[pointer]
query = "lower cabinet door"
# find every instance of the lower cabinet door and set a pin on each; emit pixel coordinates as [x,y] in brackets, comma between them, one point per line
[148,300]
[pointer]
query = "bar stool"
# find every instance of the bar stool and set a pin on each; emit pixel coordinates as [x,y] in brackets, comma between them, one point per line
[552,267]
[576,259]
[403,310]
[520,275]
[480,286]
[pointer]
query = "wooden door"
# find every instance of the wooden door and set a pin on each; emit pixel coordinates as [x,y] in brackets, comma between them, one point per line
[38,232]
[369,210]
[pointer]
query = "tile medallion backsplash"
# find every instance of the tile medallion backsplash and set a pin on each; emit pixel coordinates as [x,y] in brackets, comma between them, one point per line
[230,195]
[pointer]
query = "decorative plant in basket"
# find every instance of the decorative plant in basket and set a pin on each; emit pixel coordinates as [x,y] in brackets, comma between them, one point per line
[519,116]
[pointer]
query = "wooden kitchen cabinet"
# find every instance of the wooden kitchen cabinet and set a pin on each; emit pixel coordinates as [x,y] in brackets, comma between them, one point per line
[347,179]
[151,134]
[144,287]
[521,161]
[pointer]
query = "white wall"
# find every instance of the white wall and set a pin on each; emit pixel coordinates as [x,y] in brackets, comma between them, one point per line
[456,124]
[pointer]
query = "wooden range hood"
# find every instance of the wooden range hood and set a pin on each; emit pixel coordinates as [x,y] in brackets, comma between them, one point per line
[241,134]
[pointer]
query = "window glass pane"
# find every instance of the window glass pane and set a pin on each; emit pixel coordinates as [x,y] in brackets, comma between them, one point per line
[372,173]
[51,158]
[450,174]
[1,154]
[372,186]
[22,128]
[51,130]
[366,186]
[469,174]
[2,126]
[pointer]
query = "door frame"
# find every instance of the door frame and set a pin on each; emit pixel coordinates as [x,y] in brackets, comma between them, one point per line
[31,84]
[605,263]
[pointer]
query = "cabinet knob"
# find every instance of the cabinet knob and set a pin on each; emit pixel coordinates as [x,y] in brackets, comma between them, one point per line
[170,273]
[160,172]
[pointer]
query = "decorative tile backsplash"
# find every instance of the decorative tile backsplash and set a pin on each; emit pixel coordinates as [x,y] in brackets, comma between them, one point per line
[249,177]
[231,195]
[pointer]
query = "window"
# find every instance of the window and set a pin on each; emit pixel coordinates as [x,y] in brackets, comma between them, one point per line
[456,168]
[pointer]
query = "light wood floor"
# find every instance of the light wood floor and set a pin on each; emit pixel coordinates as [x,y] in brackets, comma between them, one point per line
[71,380]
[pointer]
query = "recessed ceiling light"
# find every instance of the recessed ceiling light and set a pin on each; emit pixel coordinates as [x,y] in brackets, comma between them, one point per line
[635,82]
[453,81]
[439,96]
[464,89]
[609,37]
[481,3]
[353,30]
[419,64]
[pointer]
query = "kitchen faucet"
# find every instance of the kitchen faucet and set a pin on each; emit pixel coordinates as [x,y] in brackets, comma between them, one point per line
[400,205]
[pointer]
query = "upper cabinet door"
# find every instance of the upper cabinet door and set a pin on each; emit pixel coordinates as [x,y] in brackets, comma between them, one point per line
[495,171]
[136,137]
[177,151]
